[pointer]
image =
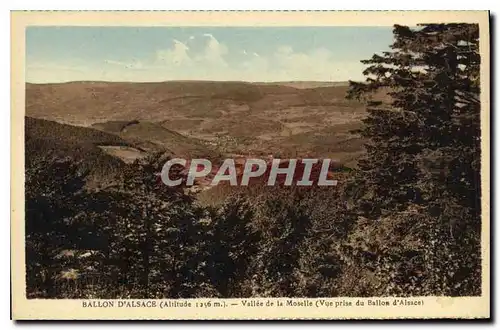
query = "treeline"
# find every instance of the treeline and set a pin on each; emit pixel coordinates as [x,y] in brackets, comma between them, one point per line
[406,222]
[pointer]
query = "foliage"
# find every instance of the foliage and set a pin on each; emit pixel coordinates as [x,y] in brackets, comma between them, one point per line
[423,154]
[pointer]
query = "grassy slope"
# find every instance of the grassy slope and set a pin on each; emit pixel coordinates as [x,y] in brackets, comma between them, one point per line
[47,140]
[156,137]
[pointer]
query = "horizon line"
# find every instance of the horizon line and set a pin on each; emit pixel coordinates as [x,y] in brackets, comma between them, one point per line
[189,80]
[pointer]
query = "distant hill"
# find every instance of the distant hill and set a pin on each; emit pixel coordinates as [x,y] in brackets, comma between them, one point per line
[286,118]
[86,103]
[306,84]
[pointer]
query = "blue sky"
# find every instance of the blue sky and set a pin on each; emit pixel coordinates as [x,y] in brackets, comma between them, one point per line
[55,54]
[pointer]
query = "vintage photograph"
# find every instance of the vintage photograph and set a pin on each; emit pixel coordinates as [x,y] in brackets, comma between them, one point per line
[219,161]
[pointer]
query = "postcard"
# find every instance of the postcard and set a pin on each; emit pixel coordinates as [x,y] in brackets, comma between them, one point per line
[247,165]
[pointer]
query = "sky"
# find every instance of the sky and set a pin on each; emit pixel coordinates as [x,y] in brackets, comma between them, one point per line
[263,54]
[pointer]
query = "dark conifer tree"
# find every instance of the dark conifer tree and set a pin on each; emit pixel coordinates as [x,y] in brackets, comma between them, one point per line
[423,149]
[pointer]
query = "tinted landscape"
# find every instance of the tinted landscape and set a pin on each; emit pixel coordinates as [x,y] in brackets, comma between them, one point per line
[403,220]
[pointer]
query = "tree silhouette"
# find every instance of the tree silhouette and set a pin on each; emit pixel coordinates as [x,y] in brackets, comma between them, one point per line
[423,152]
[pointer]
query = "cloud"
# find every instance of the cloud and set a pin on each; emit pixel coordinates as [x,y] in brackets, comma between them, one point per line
[214,51]
[41,72]
[284,50]
[208,58]
[134,64]
[180,54]
[54,66]
[177,55]
[115,62]
[314,64]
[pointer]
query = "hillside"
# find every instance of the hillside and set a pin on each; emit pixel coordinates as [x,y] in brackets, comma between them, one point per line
[154,137]
[50,141]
